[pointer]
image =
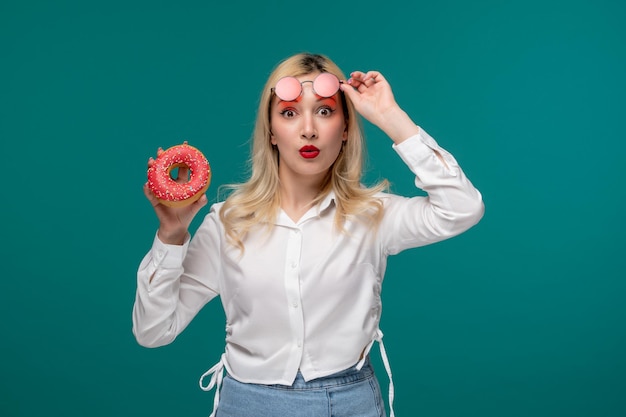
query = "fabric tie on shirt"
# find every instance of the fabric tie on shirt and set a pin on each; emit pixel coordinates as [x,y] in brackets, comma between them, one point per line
[217,375]
[383,355]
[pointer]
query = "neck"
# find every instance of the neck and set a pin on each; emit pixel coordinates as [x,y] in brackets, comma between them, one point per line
[297,195]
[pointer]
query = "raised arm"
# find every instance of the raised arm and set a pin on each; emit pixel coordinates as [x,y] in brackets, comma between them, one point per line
[453,204]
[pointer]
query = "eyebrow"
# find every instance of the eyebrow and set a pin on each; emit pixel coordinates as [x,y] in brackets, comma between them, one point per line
[328,98]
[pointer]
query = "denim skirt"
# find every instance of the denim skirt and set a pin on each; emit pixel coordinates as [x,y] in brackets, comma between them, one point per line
[348,393]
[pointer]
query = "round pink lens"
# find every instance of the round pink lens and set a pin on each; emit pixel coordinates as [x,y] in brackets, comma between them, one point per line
[326,84]
[288,88]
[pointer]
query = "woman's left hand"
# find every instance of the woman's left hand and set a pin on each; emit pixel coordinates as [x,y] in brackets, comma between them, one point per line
[372,97]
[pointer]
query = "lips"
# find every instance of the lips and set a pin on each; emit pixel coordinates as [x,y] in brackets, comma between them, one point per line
[309,151]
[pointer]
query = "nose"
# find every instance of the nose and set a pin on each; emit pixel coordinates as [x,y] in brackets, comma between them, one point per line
[309,130]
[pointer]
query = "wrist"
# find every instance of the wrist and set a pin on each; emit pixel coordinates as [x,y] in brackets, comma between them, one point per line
[172,237]
[397,124]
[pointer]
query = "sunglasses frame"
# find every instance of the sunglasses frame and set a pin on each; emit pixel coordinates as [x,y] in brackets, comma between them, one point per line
[289,77]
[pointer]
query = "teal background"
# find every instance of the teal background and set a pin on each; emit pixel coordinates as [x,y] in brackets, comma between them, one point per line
[524,315]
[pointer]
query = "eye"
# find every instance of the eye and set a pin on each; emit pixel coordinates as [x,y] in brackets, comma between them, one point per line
[288,113]
[325,111]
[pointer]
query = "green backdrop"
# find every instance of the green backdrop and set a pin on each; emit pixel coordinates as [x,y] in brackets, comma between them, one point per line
[524,315]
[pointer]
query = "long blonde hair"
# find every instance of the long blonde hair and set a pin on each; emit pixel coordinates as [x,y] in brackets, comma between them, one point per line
[257,201]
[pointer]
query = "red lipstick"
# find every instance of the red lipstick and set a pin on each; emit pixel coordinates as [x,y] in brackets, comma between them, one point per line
[309,151]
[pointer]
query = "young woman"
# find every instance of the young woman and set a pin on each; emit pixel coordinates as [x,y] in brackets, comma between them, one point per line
[298,253]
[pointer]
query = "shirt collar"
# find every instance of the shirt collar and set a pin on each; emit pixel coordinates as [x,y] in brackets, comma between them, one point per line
[326,204]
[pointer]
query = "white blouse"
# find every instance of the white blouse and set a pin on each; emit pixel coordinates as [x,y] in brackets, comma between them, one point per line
[303,296]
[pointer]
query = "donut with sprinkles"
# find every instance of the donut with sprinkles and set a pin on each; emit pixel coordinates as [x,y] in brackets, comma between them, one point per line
[173,193]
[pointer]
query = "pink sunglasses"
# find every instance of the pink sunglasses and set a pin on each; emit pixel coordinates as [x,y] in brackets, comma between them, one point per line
[290,88]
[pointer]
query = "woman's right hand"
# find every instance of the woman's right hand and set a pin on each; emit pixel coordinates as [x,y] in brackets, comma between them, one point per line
[174,221]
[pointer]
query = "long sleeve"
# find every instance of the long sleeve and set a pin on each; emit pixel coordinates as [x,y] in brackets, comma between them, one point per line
[174,283]
[452,206]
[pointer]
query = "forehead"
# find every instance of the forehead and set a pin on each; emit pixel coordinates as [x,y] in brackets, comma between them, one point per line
[308,77]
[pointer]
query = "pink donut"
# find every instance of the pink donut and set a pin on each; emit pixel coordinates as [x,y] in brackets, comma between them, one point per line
[166,189]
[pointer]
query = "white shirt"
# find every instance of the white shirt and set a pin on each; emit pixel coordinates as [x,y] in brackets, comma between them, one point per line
[304,296]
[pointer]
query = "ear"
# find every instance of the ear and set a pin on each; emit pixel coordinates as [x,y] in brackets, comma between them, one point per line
[272,138]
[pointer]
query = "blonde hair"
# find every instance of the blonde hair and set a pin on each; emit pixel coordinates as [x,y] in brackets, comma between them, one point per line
[257,201]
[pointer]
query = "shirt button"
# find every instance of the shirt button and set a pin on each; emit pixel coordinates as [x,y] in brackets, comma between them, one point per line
[299,343]
[295,304]
[294,264]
